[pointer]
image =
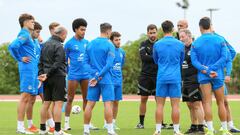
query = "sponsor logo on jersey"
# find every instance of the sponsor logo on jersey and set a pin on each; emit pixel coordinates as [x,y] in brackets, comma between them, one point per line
[117,66]
[81,57]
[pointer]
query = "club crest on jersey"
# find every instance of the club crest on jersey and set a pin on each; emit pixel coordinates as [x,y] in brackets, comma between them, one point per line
[76,47]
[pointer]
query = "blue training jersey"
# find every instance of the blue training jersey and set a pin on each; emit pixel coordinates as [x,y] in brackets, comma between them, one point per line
[209,52]
[38,48]
[23,46]
[99,57]
[75,50]
[231,53]
[117,66]
[168,53]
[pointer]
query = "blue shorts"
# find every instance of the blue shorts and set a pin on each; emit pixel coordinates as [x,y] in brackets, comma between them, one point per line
[118,92]
[225,89]
[216,83]
[172,90]
[79,77]
[106,90]
[28,82]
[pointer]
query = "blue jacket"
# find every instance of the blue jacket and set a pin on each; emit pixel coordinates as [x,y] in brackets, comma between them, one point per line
[75,50]
[99,57]
[209,52]
[117,66]
[23,46]
[168,53]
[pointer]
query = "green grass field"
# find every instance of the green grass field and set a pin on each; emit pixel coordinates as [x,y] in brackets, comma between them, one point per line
[127,118]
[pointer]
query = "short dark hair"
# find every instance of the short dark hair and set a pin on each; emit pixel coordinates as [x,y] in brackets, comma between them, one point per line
[205,23]
[114,34]
[151,27]
[78,22]
[167,26]
[53,25]
[24,17]
[37,26]
[104,27]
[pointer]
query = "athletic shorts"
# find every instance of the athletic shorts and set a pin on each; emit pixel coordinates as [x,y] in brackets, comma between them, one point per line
[118,92]
[54,89]
[146,86]
[191,93]
[225,89]
[172,90]
[28,82]
[78,78]
[216,83]
[106,90]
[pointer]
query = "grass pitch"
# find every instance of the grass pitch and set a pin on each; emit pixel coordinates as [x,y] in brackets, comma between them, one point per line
[127,118]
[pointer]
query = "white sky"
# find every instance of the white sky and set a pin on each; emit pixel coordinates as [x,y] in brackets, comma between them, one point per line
[130,17]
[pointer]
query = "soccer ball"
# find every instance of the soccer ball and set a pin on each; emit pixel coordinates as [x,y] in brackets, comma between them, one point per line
[76,109]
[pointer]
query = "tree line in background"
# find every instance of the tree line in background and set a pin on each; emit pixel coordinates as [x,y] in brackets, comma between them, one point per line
[9,77]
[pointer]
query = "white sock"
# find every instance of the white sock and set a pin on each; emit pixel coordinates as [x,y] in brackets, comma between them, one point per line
[158,127]
[176,128]
[20,125]
[210,125]
[230,124]
[51,123]
[30,123]
[86,128]
[224,125]
[204,122]
[67,119]
[105,122]
[114,121]
[110,128]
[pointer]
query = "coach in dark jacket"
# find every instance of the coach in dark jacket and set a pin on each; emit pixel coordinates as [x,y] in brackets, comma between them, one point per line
[52,72]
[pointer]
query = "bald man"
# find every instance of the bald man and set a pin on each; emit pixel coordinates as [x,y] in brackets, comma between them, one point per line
[182,24]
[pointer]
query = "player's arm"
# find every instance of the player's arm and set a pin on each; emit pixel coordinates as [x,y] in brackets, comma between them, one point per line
[66,49]
[228,64]
[222,60]
[59,59]
[86,59]
[144,54]
[155,55]
[123,60]
[40,64]
[228,67]
[232,50]
[109,62]
[195,61]
[15,45]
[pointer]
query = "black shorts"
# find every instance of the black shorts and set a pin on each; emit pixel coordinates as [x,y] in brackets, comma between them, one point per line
[147,86]
[191,93]
[55,89]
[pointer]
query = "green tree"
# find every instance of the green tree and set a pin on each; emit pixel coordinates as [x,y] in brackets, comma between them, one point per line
[234,85]
[9,80]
